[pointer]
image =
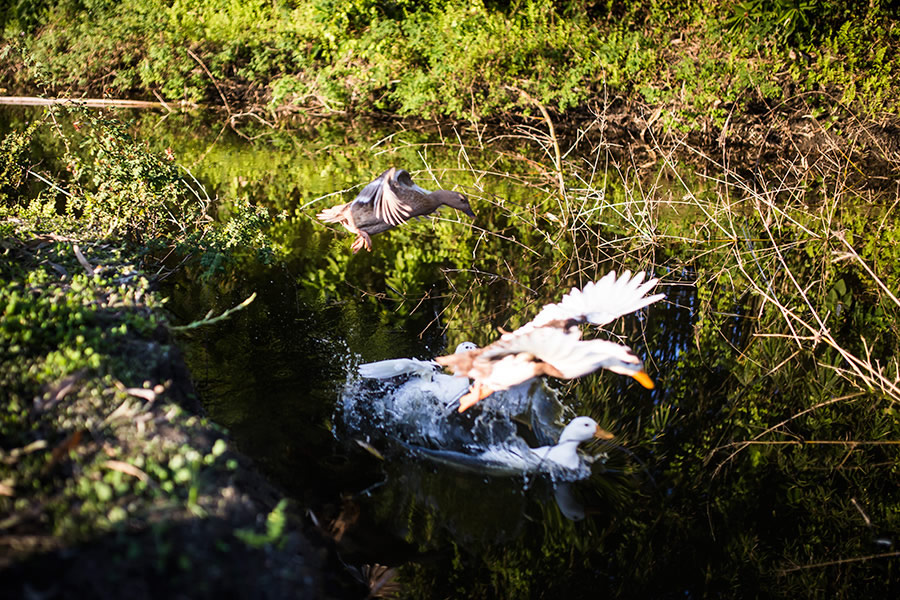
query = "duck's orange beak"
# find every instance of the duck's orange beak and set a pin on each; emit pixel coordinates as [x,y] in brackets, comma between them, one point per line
[602,434]
[476,393]
[644,379]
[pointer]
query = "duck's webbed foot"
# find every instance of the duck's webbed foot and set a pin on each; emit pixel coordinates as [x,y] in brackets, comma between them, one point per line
[477,392]
[363,240]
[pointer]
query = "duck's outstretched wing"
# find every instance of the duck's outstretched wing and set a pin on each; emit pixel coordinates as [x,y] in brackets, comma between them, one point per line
[385,369]
[599,302]
[398,192]
[563,351]
[372,192]
[502,461]
[381,194]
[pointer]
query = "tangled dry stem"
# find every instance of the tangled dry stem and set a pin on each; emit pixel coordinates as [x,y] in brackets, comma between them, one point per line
[761,220]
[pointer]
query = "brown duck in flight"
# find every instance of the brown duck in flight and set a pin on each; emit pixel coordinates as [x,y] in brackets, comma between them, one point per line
[388,201]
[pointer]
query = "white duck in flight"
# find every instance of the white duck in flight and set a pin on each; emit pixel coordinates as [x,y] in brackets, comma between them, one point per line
[388,201]
[551,344]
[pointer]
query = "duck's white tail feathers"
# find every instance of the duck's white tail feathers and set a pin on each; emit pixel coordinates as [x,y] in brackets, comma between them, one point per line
[385,369]
[335,214]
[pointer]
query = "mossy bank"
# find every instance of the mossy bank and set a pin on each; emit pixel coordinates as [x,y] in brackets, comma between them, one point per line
[110,478]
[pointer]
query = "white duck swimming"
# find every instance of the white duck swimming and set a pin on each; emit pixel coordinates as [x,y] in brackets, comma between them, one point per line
[551,344]
[564,453]
[512,458]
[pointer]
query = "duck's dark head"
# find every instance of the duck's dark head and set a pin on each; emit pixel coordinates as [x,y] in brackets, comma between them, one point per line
[455,200]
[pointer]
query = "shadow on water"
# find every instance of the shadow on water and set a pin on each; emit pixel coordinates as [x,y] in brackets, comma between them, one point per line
[676,506]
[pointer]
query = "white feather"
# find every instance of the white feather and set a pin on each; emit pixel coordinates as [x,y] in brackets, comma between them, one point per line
[385,369]
[601,302]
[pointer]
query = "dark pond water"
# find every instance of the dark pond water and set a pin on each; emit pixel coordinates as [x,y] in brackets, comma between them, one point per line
[676,505]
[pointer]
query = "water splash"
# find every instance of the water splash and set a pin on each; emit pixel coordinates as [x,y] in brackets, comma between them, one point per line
[417,416]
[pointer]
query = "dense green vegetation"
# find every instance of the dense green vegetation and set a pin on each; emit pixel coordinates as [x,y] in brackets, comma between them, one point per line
[700,61]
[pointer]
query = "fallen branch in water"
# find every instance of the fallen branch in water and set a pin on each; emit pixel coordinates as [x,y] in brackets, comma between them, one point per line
[210,320]
[89,102]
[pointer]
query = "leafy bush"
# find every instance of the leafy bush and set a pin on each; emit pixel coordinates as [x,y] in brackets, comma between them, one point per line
[12,166]
[800,22]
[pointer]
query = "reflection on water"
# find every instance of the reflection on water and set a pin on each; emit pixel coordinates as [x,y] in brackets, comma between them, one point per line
[678,505]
